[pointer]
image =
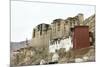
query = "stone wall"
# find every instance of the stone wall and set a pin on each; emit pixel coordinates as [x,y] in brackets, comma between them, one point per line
[41,35]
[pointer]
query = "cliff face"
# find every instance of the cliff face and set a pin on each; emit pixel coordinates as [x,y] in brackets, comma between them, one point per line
[90,22]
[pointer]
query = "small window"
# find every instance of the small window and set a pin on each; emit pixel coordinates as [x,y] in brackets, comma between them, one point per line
[58,26]
[33,33]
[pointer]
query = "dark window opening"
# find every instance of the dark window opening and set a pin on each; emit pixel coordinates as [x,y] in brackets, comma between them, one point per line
[34,33]
[58,26]
[41,29]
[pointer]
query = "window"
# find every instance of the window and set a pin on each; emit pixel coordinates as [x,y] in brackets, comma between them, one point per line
[33,33]
[58,26]
[41,29]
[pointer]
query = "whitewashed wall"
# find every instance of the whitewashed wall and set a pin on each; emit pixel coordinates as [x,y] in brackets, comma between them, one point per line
[64,43]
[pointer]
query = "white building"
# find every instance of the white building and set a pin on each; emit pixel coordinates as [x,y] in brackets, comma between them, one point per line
[63,43]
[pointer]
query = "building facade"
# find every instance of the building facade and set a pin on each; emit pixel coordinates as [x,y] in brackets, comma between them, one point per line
[54,34]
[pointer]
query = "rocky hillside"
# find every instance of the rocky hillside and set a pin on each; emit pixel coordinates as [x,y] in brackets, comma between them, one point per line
[17,45]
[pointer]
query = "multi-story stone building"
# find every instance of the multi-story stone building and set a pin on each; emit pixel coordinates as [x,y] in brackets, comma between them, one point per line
[90,21]
[62,32]
[45,35]
[41,35]
[55,37]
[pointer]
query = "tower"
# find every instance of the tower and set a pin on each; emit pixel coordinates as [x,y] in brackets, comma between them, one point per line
[80,18]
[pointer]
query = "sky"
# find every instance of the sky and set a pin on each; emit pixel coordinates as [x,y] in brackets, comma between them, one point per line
[26,15]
